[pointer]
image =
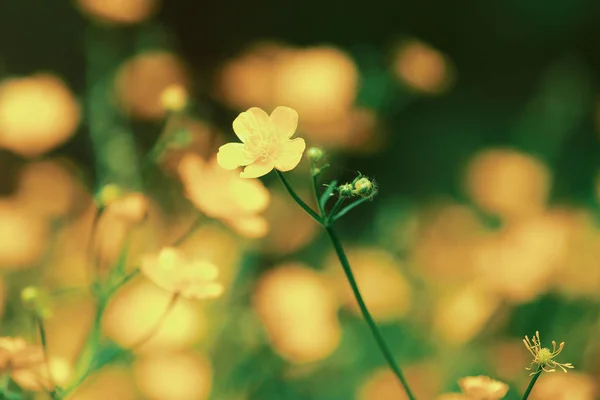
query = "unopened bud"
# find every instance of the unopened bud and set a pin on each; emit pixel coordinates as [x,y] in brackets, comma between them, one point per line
[108,194]
[364,187]
[315,154]
[174,98]
[346,190]
[35,300]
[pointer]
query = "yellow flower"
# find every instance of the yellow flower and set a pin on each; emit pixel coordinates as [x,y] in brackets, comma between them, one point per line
[171,271]
[23,361]
[543,357]
[265,143]
[224,195]
[482,388]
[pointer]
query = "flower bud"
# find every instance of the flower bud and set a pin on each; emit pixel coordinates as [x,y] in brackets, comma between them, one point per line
[108,194]
[35,300]
[364,187]
[174,98]
[315,154]
[346,190]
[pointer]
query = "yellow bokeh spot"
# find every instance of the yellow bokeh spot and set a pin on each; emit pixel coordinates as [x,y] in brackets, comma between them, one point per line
[463,313]
[518,262]
[174,376]
[247,81]
[144,303]
[23,236]
[508,183]
[446,241]
[298,312]
[37,114]
[578,274]
[114,382]
[290,227]
[119,11]
[320,82]
[142,80]
[423,68]
[382,384]
[384,288]
[571,386]
[47,187]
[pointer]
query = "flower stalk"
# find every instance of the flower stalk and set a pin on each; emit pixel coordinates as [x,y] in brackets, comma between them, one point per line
[534,379]
[326,221]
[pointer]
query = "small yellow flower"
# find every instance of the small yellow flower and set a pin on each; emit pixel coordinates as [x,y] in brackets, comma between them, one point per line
[171,271]
[482,388]
[265,143]
[543,357]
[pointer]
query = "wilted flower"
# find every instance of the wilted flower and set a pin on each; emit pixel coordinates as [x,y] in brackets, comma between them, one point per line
[543,357]
[171,271]
[265,143]
[482,388]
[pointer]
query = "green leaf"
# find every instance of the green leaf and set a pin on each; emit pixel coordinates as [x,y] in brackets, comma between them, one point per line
[327,194]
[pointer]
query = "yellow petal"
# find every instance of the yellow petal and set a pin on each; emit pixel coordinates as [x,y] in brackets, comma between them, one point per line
[257,169]
[284,121]
[250,123]
[290,155]
[233,155]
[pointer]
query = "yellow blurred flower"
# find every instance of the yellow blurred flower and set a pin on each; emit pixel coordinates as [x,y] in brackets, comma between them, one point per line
[174,376]
[37,114]
[298,311]
[571,386]
[384,287]
[543,357]
[119,11]
[482,388]
[132,207]
[224,195]
[142,80]
[171,271]
[22,361]
[265,143]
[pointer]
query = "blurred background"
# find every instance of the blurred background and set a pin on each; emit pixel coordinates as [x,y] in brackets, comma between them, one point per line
[480,122]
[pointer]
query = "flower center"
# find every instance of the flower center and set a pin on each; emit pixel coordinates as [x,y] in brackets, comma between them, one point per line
[544,355]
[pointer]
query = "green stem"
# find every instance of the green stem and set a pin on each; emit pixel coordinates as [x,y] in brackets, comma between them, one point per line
[315,178]
[87,360]
[534,379]
[365,312]
[298,200]
[350,276]
[42,331]
[331,217]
